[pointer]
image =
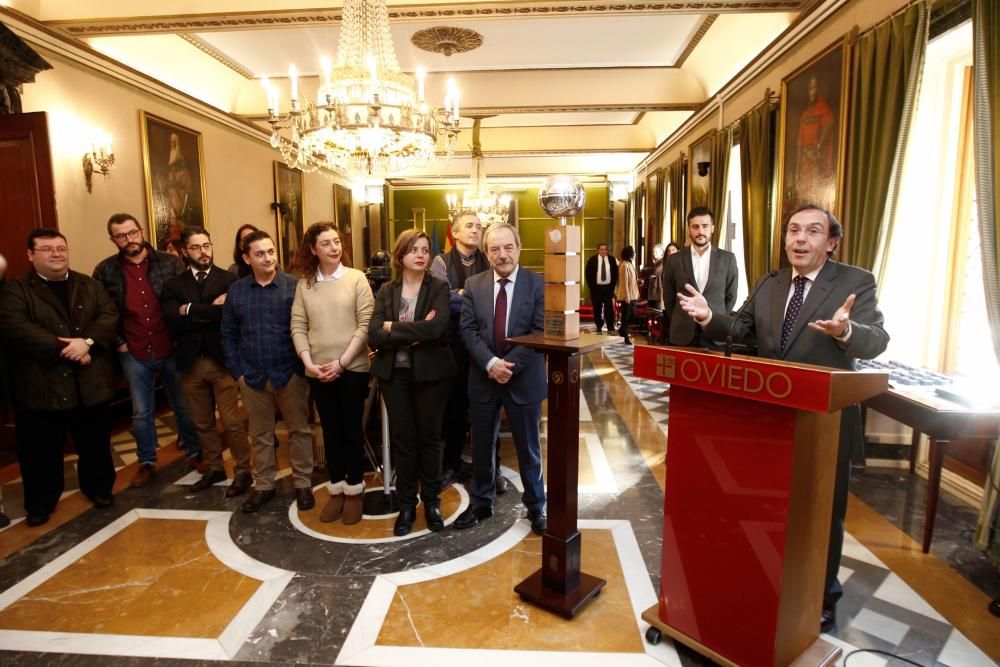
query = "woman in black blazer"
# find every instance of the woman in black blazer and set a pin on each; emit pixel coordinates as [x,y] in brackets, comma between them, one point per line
[415,367]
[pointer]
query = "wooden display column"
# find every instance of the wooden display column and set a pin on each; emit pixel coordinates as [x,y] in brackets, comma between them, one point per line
[559,586]
[562,281]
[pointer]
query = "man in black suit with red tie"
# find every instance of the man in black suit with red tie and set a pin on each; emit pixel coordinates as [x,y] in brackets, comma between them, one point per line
[192,307]
[601,274]
[817,311]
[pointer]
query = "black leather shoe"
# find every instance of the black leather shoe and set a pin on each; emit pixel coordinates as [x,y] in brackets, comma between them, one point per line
[828,619]
[539,522]
[304,498]
[501,484]
[432,512]
[241,484]
[4,520]
[472,516]
[208,480]
[450,477]
[103,502]
[36,519]
[404,522]
[257,500]
[994,607]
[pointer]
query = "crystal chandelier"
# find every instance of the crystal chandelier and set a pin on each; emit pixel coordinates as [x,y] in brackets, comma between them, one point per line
[367,118]
[490,206]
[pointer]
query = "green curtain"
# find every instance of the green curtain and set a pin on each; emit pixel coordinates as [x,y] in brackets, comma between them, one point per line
[886,63]
[757,142]
[986,92]
[678,200]
[718,188]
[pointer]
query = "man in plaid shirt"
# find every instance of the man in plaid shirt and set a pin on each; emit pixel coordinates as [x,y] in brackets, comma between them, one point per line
[257,342]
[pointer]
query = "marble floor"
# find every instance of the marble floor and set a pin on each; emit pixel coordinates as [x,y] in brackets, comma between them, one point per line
[169,577]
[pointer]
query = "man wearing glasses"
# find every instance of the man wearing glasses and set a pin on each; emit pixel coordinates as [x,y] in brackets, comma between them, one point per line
[192,306]
[59,327]
[134,277]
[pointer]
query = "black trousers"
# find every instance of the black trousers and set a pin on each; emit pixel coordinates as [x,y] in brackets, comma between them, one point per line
[41,439]
[851,434]
[341,405]
[415,410]
[602,299]
[456,413]
[628,314]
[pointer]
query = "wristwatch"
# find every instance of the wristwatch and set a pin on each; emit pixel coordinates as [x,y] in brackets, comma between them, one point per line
[89,342]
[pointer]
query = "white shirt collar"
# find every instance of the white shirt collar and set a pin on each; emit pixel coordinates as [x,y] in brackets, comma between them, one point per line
[811,276]
[50,280]
[337,275]
[512,277]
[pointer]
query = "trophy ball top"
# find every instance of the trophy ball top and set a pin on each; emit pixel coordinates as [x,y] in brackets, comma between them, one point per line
[562,196]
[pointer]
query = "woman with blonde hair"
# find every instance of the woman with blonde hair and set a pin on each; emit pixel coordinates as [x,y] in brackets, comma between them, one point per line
[414,366]
[330,314]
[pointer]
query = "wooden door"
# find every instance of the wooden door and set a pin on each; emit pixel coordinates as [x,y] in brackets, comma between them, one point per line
[27,190]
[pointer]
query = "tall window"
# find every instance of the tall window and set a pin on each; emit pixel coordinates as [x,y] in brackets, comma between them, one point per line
[733,237]
[932,292]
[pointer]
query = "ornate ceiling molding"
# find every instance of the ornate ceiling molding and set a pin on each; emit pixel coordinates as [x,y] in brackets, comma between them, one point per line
[201,45]
[447,40]
[706,23]
[318,17]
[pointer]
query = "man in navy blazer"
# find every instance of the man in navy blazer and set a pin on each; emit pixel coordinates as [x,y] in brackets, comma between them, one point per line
[501,375]
[817,311]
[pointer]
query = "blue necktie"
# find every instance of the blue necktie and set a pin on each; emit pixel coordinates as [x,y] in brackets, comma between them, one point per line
[794,306]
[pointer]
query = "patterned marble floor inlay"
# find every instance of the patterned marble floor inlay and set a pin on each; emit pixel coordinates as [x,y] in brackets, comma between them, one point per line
[409,617]
[129,589]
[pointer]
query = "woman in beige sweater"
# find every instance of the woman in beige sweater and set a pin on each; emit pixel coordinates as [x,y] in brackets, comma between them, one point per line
[628,290]
[330,314]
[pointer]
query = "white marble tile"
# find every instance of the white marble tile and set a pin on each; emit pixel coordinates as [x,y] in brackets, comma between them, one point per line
[895,590]
[881,626]
[857,551]
[960,652]
[253,612]
[843,574]
[857,660]
[585,415]
[600,466]
[121,645]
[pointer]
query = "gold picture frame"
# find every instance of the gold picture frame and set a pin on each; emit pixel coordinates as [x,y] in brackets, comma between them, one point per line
[812,135]
[173,163]
[289,218]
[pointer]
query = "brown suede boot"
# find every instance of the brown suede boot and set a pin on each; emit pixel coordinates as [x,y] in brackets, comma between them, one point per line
[335,506]
[354,502]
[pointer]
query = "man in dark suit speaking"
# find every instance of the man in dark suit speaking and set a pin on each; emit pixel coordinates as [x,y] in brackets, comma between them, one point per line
[818,311]
[192,307]
[712,270]
[601,274]
[505,302]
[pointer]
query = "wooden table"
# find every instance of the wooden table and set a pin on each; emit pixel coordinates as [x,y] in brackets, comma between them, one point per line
[943,421]
[559,586]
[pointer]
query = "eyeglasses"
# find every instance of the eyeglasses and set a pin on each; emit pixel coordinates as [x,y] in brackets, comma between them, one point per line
[124,236]
[49,250]
[204,247]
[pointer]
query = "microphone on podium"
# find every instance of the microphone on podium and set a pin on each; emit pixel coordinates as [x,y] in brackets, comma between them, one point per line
[736,318]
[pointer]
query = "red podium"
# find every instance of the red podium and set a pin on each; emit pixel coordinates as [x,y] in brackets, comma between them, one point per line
[751,458]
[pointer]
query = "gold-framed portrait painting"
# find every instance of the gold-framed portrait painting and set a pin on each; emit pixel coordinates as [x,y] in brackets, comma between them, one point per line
[699,172]
[174,168]
[288,213]
[342,205]
[812,132]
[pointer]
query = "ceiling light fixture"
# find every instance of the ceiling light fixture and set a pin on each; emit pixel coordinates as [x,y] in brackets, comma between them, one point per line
[368,118]
[490,205]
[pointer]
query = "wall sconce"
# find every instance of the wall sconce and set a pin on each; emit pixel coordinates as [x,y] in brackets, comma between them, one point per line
[98,159]
[703,168]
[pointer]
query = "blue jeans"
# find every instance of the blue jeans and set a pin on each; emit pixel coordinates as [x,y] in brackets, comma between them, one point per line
[141,376]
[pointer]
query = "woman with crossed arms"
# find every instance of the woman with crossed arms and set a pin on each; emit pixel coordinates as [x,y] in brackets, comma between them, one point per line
[415,367]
